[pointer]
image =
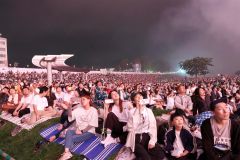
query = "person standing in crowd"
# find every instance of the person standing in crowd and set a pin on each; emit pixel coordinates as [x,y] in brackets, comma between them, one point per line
[116,121]
[86,118]
[182,101]
[142,128]
[220,135]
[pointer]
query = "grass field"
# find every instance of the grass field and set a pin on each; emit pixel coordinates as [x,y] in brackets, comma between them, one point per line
[21,147]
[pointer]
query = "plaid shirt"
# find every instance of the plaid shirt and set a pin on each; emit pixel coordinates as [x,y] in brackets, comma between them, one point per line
[202,117]
[100,96]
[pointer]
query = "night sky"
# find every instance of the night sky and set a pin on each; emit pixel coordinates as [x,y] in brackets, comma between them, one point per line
[104,33]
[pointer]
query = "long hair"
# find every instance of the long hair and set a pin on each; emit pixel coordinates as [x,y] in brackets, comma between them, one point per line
[112,104]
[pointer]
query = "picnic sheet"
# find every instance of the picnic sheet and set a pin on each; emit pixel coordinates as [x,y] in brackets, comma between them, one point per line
[91,149]
[16,120]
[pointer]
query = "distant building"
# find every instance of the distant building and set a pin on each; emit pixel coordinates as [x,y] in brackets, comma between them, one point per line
[3,52]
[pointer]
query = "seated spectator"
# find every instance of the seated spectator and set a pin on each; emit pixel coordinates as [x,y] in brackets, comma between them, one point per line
[12,102]
[220,135]
[59,97]
[50,98]
[201,101]
[159,104]
[64,105]
[64,121]
[170,100]
[182,101]
[40,105]
[179,142]
[142,128]
[86,118]
[116,120]
[24,106]
[100,94]
[4,95]
[214,94]
[82,89]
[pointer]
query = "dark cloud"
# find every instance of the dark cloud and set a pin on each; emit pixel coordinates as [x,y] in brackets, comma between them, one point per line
[103,33]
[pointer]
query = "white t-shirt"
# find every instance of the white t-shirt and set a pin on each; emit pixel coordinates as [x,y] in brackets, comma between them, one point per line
[122,116]
[85,118]
[40,102]
[59,96]
[67,97]
[177,145]
[222,136]
[170,103]
[27,100]
[141,119]
[13,99]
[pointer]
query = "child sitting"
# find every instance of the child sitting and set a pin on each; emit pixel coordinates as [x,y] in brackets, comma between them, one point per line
[179,142]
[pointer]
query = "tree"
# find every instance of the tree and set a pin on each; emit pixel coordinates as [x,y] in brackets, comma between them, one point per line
[237,73]
[196,66]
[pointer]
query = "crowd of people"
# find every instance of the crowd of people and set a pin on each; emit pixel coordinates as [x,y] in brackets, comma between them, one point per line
[153,116]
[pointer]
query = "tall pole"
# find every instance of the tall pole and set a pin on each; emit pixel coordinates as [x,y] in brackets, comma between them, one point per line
[49,73]
[61,76]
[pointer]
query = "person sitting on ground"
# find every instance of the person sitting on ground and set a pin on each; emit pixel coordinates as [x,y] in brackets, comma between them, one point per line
[117,119]
[170,100]
[142,131]
[13,101]
[182,101]
[40,105]
[50,98]
[82,89]
[161,114]
[201,101]
[64,121]
[86,118]
[59,96]
[220,134]
[4,94]
[64,105]
[179,142]
[24,106]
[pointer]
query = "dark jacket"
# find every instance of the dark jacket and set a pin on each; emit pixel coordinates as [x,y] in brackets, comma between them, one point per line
[214,96]
[208,141]
[186,137]
[200,105]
